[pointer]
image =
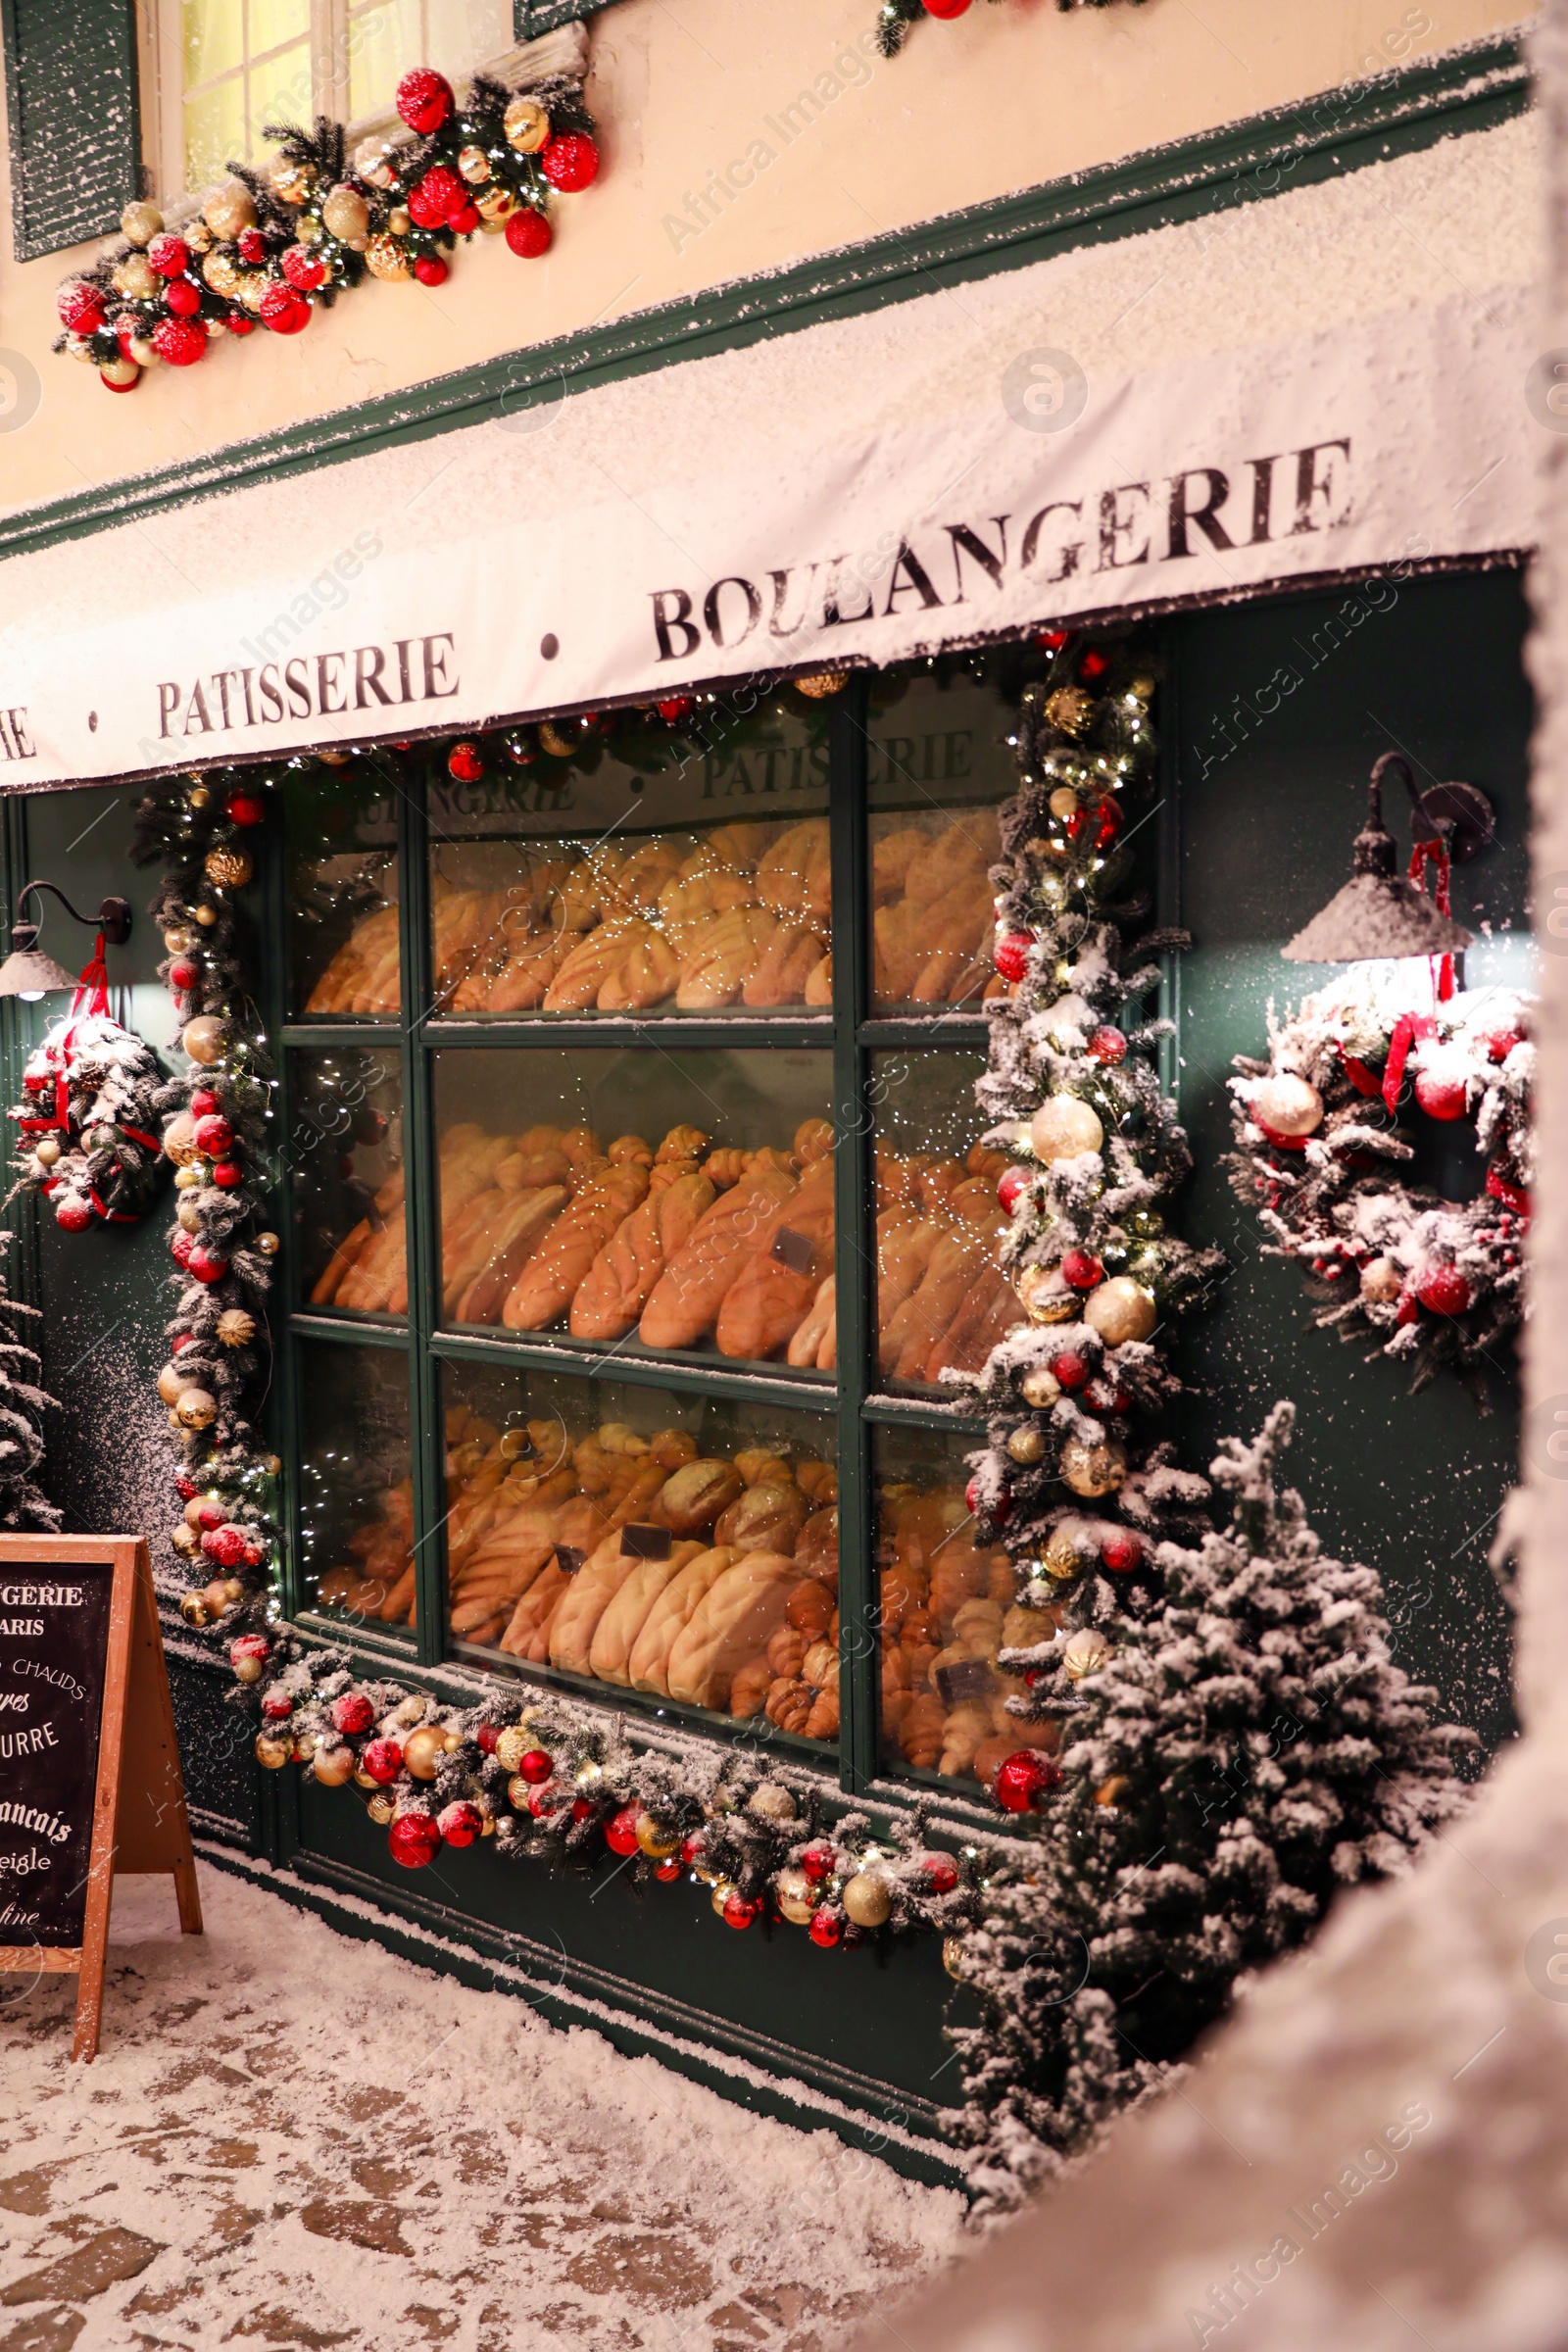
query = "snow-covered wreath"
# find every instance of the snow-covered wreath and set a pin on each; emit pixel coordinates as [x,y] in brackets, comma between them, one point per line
[87,1126]
[1430,1281]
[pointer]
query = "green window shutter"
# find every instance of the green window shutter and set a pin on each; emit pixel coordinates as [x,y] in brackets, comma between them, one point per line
[532,18]
[72,111]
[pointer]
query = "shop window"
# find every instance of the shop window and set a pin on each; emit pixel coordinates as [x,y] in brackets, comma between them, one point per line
[345,1165]
[356,1490]
[344,954]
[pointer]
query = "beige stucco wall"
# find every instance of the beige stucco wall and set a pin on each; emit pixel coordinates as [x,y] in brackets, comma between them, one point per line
[1010,95]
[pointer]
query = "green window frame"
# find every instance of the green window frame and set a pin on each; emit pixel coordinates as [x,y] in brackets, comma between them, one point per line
[532,18]
[72,112]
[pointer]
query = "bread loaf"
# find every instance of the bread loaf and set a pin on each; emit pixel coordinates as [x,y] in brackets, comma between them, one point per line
[593,1588]
[518,1233]
[765,1518]
[618,1285]
[648,1667]
[730,1625]
[686,1298]
[693,1496]
[615,1634]
[534,1610]
[549,1281]
[720,958]
[781,1275]
[785,963]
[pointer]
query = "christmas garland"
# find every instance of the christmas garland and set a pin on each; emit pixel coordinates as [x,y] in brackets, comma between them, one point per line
[895,17]
[86,1120]
[267,247]
[1429,1282]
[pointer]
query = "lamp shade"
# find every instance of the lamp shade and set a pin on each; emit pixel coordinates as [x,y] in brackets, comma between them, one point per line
[1378,915]
[28,972]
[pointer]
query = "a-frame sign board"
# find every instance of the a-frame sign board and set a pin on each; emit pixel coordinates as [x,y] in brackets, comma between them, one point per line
[89,1771]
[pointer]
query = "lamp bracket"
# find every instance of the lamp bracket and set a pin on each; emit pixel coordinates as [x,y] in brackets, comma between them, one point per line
[113,918]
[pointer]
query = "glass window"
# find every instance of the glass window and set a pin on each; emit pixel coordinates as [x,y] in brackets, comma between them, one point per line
[943,1302]
[649,1201]
[946,1606]
[939,768]
[627,868]
[340,827]
[356,1487]
[683,1547]
[345,1154]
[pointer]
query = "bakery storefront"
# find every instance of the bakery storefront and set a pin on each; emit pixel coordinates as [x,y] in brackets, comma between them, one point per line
[572,825]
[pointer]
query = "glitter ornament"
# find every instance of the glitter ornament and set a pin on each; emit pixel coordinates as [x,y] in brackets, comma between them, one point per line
[1286,1105]
[1064,1127]
[527,126]
[1122,1310]
[1093,1470]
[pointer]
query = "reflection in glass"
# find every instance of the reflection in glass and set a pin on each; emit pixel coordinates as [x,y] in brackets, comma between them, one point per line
[682,1547]
[943,1301]
[356,1487]
[346,1159]
[641,1200]
[340,828]
[947,1605]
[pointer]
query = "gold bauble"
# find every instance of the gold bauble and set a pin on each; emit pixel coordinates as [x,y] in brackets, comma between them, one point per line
[363,1780]
[235,1328]
[203,1039]
[1070,710]
[487,1817]
[770,1800]
[177,940]
[495,204]
[230,208]
[199,796]
[249,1669]
[512,1745]
[374,163]
[527,126]
[1027,1445]
[1120,1310]
[474,163]
[385,258]
[1064,802]
[197,236]
[141,222]
[821,683]
[47,1151]
[189,1178]
[346,216]
[186,1542]
[382,1809]
[252,287]
[206,916]
[1064,1127]
[1286,1105]
[272,1750]
[273,1464]
[305,1745]
[399,221]
[229,867]
[1060,1558]
[268,1244]
[795,1896]
[1093,1470]
[221,273]
[411,1709]
[518,1791]
[187,1216]
[179,1139]
[172,1383]
[552,740]
[423,1751]
[333,1767]
[196,1409]
[655,1840]
[290,183]
[145,354]
[953,1955]
[135,278]
[1382,1281]
[722,1889]
[1044,1297]
[1085,1652]
[1041,1388]
[868,1898]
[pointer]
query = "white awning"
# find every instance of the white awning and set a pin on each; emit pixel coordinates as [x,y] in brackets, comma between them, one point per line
[1335,380]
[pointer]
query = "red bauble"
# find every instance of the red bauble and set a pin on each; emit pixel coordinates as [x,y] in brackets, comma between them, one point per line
[1094,663]
[1109,820]
[1122,1554]
[1023,1779]
[74,1213]
[580,1808]
[179,341]
[674,707]
[225,1545]
[302,268]
[666,1872]
[1444,1290]
[203,1103]
[691,1848]
[826,1929]
[81,309]
[1051,641]
[620,1832]
[414,1841]
[205,1265]
[247,1646]
[466,762]
[423,100]
[239,322]
[465,220]
[1001,1509]
[1011,954]
[1080,1271]
[245,808]
[529,233]
[818,1863]
[434,198]
[569,161]
[210,1515]
[383,1759]
[214,1134]
[1442,1098]
[285,311]
[460,1822]
[352,1714]
[252,247]
[227,1175]
[739,1912]
[1068,1369]
[946,9]
[277,1706]
[1104,1396]
[1011,1187]
[181,1246]
[543,1801]
[941,1872]
[182,298]
[169,254]
[430,269]
[485,1738]
[177,1346]
[184,975]
[184,1483]
[536,1767]
[1105,1045]
[1499,1048]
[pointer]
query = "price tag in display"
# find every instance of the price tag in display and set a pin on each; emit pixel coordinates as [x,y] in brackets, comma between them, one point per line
[968,1678]
[639,1543]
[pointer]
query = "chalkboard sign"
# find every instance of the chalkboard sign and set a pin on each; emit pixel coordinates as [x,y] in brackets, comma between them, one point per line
[89,1770]
[54,1644]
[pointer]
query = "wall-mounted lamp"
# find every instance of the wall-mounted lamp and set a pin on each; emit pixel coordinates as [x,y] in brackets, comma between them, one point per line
[1379,914]
[29,974]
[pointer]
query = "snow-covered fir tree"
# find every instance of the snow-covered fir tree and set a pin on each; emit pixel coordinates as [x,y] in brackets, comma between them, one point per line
[25,1508]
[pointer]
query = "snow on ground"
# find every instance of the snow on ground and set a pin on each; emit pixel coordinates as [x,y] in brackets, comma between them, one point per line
[289,2138]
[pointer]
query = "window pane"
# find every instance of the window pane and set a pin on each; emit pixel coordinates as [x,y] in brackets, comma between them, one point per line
[214,132]
[214,33]
[345,1152]
[341,833]
[273,21]
[383,42]
[356,1487]
[943,1301]
[641,873]
[947,1607]
[678,1547]
[649,1203]
[461,34]
[280,92]
[940,766]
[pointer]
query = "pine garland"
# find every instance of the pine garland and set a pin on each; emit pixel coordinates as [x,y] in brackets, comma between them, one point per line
[895,17]
[87,1122]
